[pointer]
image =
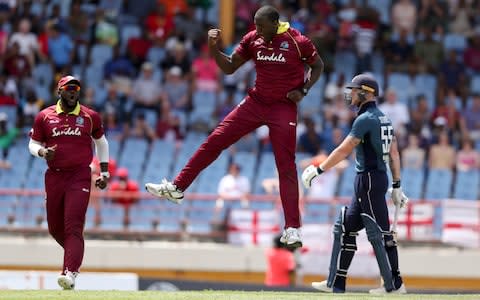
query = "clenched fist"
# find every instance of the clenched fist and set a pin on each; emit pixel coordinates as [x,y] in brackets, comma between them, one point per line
[48,153]
[101,182]
[213,36]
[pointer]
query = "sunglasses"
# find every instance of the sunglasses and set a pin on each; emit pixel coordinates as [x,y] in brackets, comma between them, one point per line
[71,88]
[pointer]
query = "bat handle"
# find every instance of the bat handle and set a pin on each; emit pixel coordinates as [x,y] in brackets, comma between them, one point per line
[395,218]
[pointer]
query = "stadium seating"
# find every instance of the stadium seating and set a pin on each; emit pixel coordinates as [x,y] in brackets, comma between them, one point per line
[453,41]
[266,169]
[426,84]
[156,54]
[127,32]
[100,54]
[346,188]
[346,63]
[111,216]
[402,85]
[43,74]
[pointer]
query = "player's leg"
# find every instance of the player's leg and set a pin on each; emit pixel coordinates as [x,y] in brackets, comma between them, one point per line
[345,231]
[378,204]
[76,203]
[372,188]
[54,204]
[242,120]
[282,120]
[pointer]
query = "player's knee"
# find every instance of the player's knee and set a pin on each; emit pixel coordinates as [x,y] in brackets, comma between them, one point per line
[338,228]
[348,239]
[374,232]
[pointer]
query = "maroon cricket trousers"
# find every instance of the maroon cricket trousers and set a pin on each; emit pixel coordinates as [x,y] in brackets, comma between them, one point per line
[68,192]
[281,119]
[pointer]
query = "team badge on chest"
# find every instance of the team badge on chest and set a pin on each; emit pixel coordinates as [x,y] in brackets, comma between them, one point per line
[284,46]
[79,121]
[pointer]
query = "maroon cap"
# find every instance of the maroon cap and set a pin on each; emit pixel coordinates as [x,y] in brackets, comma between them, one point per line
[67,79]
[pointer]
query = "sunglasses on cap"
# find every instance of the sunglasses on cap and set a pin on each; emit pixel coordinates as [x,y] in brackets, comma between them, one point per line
[71,88]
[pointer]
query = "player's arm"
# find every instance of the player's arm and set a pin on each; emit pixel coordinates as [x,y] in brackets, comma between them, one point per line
[37,149]
[394,160]
[340,153]
[397,195]
[101,149]
[228,64]
[316,69]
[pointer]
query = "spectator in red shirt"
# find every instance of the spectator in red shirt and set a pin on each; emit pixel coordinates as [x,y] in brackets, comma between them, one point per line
[280,265]
[17,66]
[124,184]
[471,56]
[159,23]
[137,48]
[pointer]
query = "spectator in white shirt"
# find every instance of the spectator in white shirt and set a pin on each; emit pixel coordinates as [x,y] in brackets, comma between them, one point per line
[397,112]
[147,91]
[26,40]
[233,186]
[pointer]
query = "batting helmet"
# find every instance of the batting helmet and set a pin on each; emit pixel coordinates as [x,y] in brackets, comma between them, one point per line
[365,82]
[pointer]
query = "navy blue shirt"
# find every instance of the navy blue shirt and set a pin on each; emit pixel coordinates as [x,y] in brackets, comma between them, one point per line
[375,131]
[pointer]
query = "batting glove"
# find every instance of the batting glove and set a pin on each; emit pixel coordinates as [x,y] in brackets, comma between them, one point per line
[309,173]
[398,197]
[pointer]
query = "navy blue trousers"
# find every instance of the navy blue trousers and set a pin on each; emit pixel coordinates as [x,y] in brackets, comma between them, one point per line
[369,198]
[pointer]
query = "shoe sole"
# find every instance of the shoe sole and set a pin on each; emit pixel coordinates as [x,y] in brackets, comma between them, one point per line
[294,245]
[154,192]
[62,282]
[323,289]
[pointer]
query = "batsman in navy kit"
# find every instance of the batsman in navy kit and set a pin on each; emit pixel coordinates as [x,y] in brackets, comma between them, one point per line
[372,136]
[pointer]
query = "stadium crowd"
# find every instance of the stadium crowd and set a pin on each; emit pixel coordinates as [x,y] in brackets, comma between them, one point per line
[145,66]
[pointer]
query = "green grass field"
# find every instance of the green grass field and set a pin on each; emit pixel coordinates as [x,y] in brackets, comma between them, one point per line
[208,295]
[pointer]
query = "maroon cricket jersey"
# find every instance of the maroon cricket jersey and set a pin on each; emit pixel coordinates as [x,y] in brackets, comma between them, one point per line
[72,133]
[280,63]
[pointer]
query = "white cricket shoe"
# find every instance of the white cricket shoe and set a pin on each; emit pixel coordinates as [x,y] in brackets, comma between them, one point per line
[291,238]
[166,189]
[67,281]
[322,286]
[381,290]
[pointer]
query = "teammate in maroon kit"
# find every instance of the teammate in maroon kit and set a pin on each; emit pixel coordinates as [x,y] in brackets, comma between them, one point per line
[280,54]
[62,134]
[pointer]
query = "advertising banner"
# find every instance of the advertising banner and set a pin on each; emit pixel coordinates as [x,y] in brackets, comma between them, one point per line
[46,280]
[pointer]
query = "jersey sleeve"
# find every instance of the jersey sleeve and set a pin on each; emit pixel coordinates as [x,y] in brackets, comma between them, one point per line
[97,126]
[37,132]
[307,49]
[243,48]
[360,127]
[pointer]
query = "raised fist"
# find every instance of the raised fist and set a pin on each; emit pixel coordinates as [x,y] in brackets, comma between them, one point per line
[213,36]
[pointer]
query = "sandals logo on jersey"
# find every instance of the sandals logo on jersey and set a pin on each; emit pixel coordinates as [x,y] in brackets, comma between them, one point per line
[284,46]
[67,131]
[272,57]
[79,121]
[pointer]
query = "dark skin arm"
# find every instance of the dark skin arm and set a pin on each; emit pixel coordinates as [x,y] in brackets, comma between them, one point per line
[316,70]
[101,182]
[228,64]
[47,153]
